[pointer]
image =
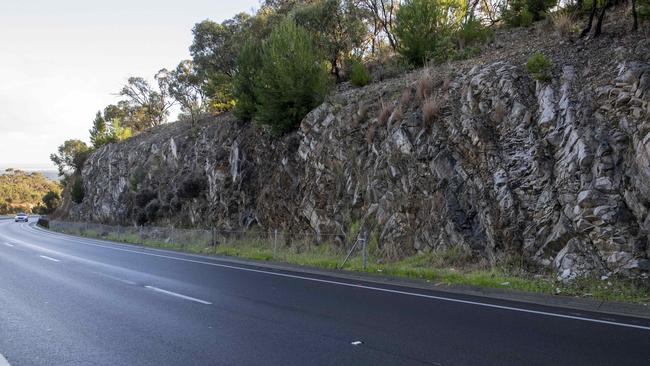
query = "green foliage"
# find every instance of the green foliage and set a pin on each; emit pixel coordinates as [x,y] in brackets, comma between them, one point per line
[185,87]
[425,28]
[359,75]
[539,67]
[51,200]
[522,13]
[102,133]
[138,176]
[244,80]
[337,28]
[473,32]
[71,156]
[77,192]
[291,79]
[21,191]
[146,106]
[214,51]
[643,9]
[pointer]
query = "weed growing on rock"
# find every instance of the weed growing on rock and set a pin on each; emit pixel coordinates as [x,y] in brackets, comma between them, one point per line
[386,111]
[539,66]
[424,87]
[430,112]
[562,23]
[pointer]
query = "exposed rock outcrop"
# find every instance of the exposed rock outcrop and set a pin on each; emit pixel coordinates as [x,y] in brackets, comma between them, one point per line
[501,164]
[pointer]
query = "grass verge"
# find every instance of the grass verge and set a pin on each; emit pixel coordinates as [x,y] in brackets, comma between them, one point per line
[448,267]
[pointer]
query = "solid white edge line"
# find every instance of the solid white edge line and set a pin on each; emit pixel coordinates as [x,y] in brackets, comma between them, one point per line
[175,294]
[3,361]
[372,288]
[49,258]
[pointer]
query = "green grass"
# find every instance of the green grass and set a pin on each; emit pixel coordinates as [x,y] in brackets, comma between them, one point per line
[449,267]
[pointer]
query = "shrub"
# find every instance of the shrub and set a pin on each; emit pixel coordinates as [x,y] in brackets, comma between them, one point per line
[43,222]
[244,81]
[137,178]
[424,29]
[143,197]
[393,66]
[291,79]
[643,9]
[539,67]
[51,201]
[359,75]
[192,187]
[77,192]
[522,13]
[473,32]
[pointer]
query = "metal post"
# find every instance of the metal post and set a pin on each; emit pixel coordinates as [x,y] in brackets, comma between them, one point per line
[349,253]
[364,253]
[275,242]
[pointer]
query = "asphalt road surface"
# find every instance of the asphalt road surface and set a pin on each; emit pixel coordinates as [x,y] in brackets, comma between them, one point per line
[74,301]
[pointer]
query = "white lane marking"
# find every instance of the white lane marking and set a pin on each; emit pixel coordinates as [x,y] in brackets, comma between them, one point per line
[115,278]
[9,244]
[178,295]
[372,288]
[49,258]
[356,343]
[3,361]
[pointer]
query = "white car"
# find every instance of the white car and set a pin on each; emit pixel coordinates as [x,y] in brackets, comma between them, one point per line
[21,217]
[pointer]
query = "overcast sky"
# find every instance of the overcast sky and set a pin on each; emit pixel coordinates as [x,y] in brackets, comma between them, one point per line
[62,60]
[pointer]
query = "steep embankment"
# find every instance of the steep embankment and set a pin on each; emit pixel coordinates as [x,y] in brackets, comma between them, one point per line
[475,154]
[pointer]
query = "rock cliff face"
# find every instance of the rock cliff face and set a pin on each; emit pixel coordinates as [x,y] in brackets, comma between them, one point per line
[477,155]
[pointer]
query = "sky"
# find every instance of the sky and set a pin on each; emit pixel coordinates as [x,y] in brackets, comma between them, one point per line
[62,61]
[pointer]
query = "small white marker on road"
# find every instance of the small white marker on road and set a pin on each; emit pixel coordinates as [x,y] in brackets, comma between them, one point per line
[356,343]
[49,258]
[178,295]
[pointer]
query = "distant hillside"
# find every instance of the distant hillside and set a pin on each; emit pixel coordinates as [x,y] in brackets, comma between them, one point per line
[49,173]
[23,191]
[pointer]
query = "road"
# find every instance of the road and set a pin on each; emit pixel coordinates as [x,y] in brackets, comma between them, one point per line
[76,301]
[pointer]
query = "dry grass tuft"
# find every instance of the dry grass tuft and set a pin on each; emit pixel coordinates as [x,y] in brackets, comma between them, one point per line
[431,111]
[386,111]
[562,23]
[370,134]
[406,97]
[446,83]
[424,87]
[397,114]
[360,116]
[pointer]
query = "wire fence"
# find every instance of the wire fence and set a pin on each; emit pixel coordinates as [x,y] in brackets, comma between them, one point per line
[326,249]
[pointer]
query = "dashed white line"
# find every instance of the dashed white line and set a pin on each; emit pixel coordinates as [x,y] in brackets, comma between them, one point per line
[178,295]
[8,244]
[354,285]
[49,258]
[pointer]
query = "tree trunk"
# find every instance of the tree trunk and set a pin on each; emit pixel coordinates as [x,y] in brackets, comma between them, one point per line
[591,20]
[601,17]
